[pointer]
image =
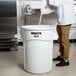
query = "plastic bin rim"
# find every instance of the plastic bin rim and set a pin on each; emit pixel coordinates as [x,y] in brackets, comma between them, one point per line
[38,27]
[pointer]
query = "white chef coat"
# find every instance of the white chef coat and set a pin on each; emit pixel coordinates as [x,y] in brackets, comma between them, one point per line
[65,11]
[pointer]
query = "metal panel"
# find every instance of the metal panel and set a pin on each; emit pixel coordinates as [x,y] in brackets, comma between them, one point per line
[8,18]
[8,25]
[7,8]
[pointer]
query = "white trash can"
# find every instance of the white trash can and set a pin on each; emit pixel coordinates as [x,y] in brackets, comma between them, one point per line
[38,48]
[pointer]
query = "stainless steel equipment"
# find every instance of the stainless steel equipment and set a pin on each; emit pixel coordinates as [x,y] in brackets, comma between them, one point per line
[8,24]
[7,8]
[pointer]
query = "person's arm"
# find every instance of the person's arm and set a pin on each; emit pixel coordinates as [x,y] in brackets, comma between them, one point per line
[45,9]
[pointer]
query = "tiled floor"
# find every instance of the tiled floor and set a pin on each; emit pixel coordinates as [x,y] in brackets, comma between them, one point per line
[11,64]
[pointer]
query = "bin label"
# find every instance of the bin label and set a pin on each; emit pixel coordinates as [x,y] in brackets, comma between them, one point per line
[36,34]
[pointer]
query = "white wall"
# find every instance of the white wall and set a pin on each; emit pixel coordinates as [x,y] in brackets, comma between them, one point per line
[20,18]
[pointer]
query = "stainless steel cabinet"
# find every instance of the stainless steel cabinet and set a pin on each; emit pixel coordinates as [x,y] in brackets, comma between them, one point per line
[8,24]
